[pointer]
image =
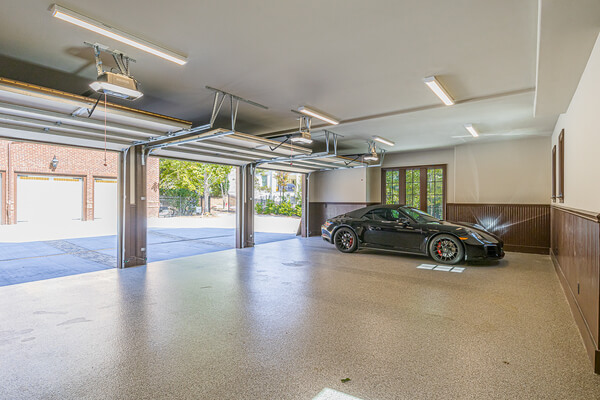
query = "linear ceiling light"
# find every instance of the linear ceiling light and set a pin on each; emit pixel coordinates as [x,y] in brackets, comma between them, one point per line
[439,90]
[383,140]
[108,31]
[472,131]
[318,114]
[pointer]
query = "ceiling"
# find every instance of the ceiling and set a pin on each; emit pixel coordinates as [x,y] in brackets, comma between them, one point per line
[362,62]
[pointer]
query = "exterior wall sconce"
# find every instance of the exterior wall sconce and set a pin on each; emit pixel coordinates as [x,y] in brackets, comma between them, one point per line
[54,163]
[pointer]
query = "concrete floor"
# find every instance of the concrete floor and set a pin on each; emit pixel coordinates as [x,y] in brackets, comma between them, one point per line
[286,320]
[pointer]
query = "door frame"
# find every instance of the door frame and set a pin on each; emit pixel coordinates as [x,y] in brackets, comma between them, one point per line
[423,184]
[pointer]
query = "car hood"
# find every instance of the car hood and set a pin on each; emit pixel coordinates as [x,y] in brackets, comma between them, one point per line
[475,227]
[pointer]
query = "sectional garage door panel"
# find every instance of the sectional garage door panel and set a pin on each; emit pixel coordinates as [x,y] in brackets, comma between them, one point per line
[105,199]
[49,198]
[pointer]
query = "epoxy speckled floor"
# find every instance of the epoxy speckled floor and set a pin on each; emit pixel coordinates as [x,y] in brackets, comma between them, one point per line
[286,320]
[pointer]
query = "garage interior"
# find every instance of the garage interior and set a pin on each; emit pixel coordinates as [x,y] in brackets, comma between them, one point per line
[476,112]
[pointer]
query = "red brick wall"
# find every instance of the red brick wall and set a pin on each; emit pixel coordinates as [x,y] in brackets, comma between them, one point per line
[88,164]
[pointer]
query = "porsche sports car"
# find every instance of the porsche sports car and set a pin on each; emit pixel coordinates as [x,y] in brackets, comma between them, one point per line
[409,230]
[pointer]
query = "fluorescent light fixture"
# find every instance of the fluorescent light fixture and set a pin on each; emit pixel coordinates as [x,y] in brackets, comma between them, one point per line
[108,31]
[302,137]
[117,91]
[383,140]
[318,114]
[471,130]
[438,89]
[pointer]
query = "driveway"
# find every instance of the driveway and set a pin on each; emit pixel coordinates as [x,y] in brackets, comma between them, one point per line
[51,253]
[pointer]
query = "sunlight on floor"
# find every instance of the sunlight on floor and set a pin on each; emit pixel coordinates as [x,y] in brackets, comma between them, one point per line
[330,394]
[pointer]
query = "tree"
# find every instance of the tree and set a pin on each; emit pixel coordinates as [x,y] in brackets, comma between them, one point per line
[282,179]
[194,176]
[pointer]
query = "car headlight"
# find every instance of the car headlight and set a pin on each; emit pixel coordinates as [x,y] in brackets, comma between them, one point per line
[475,235]
[326,224]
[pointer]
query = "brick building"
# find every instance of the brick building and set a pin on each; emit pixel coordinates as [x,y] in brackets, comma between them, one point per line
[30,185]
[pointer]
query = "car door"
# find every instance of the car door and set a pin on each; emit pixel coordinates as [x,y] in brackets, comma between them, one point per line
[384,229]
[408,235]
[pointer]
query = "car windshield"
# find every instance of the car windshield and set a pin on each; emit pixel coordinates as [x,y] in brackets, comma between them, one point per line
[420,216]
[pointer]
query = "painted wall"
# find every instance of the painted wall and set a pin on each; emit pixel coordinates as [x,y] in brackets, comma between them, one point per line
[581,123]
[343,186]
[507,172]
[511,172]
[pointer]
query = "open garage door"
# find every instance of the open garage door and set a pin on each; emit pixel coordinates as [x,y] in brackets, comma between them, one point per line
[105,199]
[49,198]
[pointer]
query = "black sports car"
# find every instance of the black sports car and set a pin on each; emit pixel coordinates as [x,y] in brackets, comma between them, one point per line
[409,230]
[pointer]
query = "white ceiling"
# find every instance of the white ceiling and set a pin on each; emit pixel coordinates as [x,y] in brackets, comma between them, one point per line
[354,59]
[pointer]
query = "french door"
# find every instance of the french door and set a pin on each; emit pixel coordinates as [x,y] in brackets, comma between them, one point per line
[422,187]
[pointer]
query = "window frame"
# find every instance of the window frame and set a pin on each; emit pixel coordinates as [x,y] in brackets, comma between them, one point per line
[561,167]
[554,174]
[423,184]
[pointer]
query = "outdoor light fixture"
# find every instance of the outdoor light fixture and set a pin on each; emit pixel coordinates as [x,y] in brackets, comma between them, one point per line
[438,89]
[383,140]
[54,163]
[471,130]
[108,31]
[301,137]
[318,114]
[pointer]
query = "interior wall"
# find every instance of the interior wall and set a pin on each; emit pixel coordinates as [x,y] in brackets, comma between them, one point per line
[506,172]
[580,124]
[339,186]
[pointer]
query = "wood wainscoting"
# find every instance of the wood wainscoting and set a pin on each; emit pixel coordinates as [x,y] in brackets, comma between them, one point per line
[524,228]
[575,252]
[320,211]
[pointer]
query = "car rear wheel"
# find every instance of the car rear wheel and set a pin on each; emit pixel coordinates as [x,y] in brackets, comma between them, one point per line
[345,240]
[446,249]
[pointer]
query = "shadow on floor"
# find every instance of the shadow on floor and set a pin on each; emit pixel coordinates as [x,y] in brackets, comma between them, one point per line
[34,261]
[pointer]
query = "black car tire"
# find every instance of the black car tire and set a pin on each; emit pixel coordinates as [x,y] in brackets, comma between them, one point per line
[446,249]
[345,240]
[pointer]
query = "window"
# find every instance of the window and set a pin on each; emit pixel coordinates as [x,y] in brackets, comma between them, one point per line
[392,179]
[413,188]
[561,166]
[421,187]
[435,192]
[383,214]
[554,173]
[420,216]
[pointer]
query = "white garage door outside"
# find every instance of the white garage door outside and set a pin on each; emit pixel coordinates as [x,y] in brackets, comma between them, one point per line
[49,198]
[105,199]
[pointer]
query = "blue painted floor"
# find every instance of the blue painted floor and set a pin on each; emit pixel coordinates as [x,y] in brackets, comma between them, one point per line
[34,261]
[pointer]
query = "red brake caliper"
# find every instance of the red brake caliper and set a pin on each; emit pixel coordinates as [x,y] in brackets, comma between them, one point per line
[439,248]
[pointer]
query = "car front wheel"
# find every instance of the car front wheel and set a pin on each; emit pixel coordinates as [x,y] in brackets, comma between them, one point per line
[345,240]
[446,249]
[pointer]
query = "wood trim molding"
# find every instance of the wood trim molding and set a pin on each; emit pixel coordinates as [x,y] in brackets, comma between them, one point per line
[584,329]
[592,216]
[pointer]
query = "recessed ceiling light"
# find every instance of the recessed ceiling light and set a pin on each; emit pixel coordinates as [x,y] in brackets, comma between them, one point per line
[438,89]
[108,31]
[471,130]
[383,140]
[318,114]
